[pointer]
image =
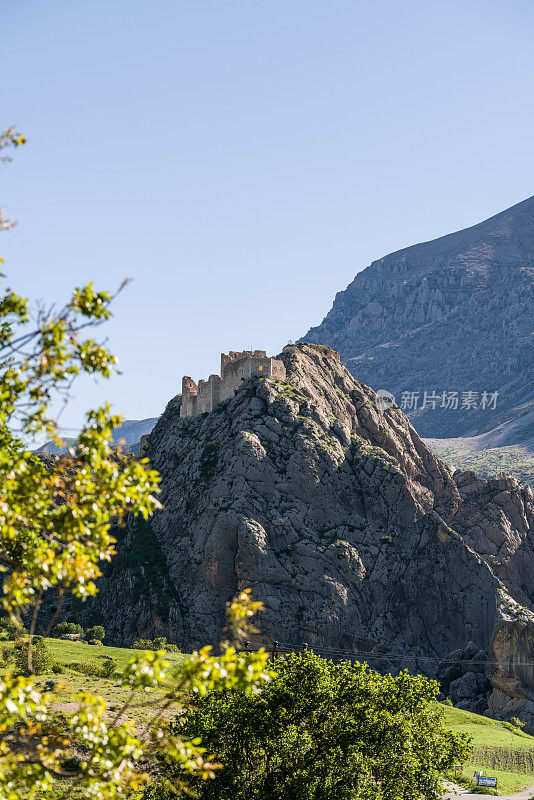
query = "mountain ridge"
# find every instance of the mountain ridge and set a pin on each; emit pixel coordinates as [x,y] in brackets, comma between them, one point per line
[128,435]
[450,315]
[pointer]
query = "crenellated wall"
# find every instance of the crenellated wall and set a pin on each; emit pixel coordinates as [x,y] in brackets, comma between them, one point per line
[236,367]
[239,370]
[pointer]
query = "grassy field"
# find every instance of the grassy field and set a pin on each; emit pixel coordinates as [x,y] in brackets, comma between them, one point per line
[499,749]
[69,682]
[65,651]
[489,463]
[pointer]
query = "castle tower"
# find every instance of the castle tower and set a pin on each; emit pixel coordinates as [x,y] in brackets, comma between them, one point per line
[237,366]
[237,355]
[189,397]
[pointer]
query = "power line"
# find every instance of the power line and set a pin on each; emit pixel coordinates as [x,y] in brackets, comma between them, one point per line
[356,655]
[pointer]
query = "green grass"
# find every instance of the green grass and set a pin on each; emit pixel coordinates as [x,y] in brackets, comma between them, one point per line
[491,462]
[499,749]
[65,651]
[69,683]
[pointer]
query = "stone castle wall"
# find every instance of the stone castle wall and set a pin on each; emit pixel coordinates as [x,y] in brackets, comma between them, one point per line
[236,367]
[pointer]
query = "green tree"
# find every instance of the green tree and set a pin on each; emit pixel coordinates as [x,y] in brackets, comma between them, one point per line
[54,532]
[42,660]
[96,632]
[73,628]
[324,731]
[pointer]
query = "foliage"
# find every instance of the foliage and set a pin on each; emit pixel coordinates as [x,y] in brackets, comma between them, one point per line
[159,643]
[516,722]
[106,669]
[146,563]
[54,532]
[112,747]
[13,629]
[324,731]
[491,462]
[96,632]
[85,667]
[505,758]
[8,138]
[72,628]
[42,660]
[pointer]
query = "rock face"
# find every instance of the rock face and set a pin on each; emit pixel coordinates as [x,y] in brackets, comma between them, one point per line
[453,314]
[511,663]
[356,537]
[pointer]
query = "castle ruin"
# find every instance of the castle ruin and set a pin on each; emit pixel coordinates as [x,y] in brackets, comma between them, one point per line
[236,367]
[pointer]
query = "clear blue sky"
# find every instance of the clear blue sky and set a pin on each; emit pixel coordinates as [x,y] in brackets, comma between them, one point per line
[243,160]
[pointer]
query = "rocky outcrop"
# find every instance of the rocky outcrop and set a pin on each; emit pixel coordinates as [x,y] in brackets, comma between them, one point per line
[450,315]
[511,662]
[496,518]
[355,536]
[462,676]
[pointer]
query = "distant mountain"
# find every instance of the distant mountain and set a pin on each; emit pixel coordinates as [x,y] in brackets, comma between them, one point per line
[128,435]
[452,315]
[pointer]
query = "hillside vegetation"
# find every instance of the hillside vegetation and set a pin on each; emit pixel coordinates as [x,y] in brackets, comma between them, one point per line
[488,463]
[498,748]
[72,657]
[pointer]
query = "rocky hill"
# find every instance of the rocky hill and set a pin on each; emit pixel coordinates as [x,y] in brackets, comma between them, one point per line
[451,315]
[356,537]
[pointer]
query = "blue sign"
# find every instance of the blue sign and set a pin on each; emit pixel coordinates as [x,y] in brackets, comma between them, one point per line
[483,780]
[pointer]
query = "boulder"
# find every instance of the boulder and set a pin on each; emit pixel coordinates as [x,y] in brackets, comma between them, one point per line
[464,688]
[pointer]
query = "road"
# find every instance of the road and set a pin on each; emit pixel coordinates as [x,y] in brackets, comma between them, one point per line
[465,794]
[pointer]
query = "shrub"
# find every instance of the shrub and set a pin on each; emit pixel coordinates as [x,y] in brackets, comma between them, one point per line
[72,628]
[143,644]
[12,629]
[96,632]
[159,643]
[517,723]
[323,730]
[8,652]
[105,670]
[71,763]
[42,660]
[85,667]
[108,668]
